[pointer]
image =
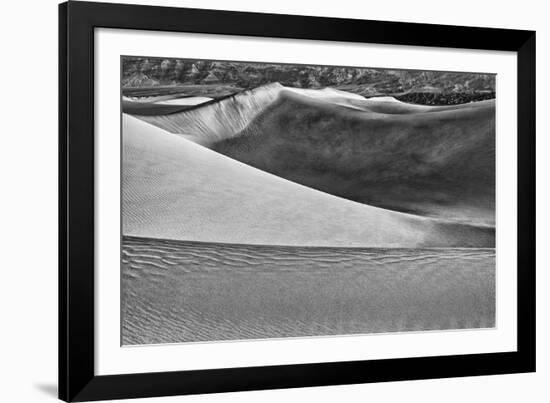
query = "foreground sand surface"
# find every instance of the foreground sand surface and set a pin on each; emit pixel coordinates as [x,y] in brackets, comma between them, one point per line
[177,291]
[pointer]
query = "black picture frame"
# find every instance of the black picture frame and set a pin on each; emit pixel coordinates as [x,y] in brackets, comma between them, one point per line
[77,379]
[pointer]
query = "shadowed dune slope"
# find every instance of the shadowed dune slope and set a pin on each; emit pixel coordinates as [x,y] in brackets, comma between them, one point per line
[438,163]
[176,189]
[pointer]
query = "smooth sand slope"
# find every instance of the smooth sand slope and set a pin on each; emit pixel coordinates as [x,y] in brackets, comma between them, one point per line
[176,189]
[431,161]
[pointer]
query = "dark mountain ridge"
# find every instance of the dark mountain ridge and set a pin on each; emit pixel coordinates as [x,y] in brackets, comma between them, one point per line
[424,87]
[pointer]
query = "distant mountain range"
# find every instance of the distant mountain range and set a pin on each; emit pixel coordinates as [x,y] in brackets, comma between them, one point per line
[425,87]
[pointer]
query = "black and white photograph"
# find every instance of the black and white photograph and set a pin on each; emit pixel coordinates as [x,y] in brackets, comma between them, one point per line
[266,200]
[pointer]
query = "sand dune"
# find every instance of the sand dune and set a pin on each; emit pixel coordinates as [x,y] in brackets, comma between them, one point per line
[176,189]
[225,118]
[432,161]
[437,163]
[218,120]
[390,105]
[228,117]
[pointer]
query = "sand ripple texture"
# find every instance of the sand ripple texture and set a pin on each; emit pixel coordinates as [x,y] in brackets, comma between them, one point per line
[177,291]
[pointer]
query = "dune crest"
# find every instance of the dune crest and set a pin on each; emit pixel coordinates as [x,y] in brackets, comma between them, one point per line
[218,120]
[209,122]
[229,117]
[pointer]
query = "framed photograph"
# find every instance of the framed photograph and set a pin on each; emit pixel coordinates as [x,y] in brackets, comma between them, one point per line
[256,201]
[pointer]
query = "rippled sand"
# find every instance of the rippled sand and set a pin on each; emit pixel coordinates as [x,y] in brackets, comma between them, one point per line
[177,291]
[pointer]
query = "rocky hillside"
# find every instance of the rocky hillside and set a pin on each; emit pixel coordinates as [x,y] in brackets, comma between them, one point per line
[428,87]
